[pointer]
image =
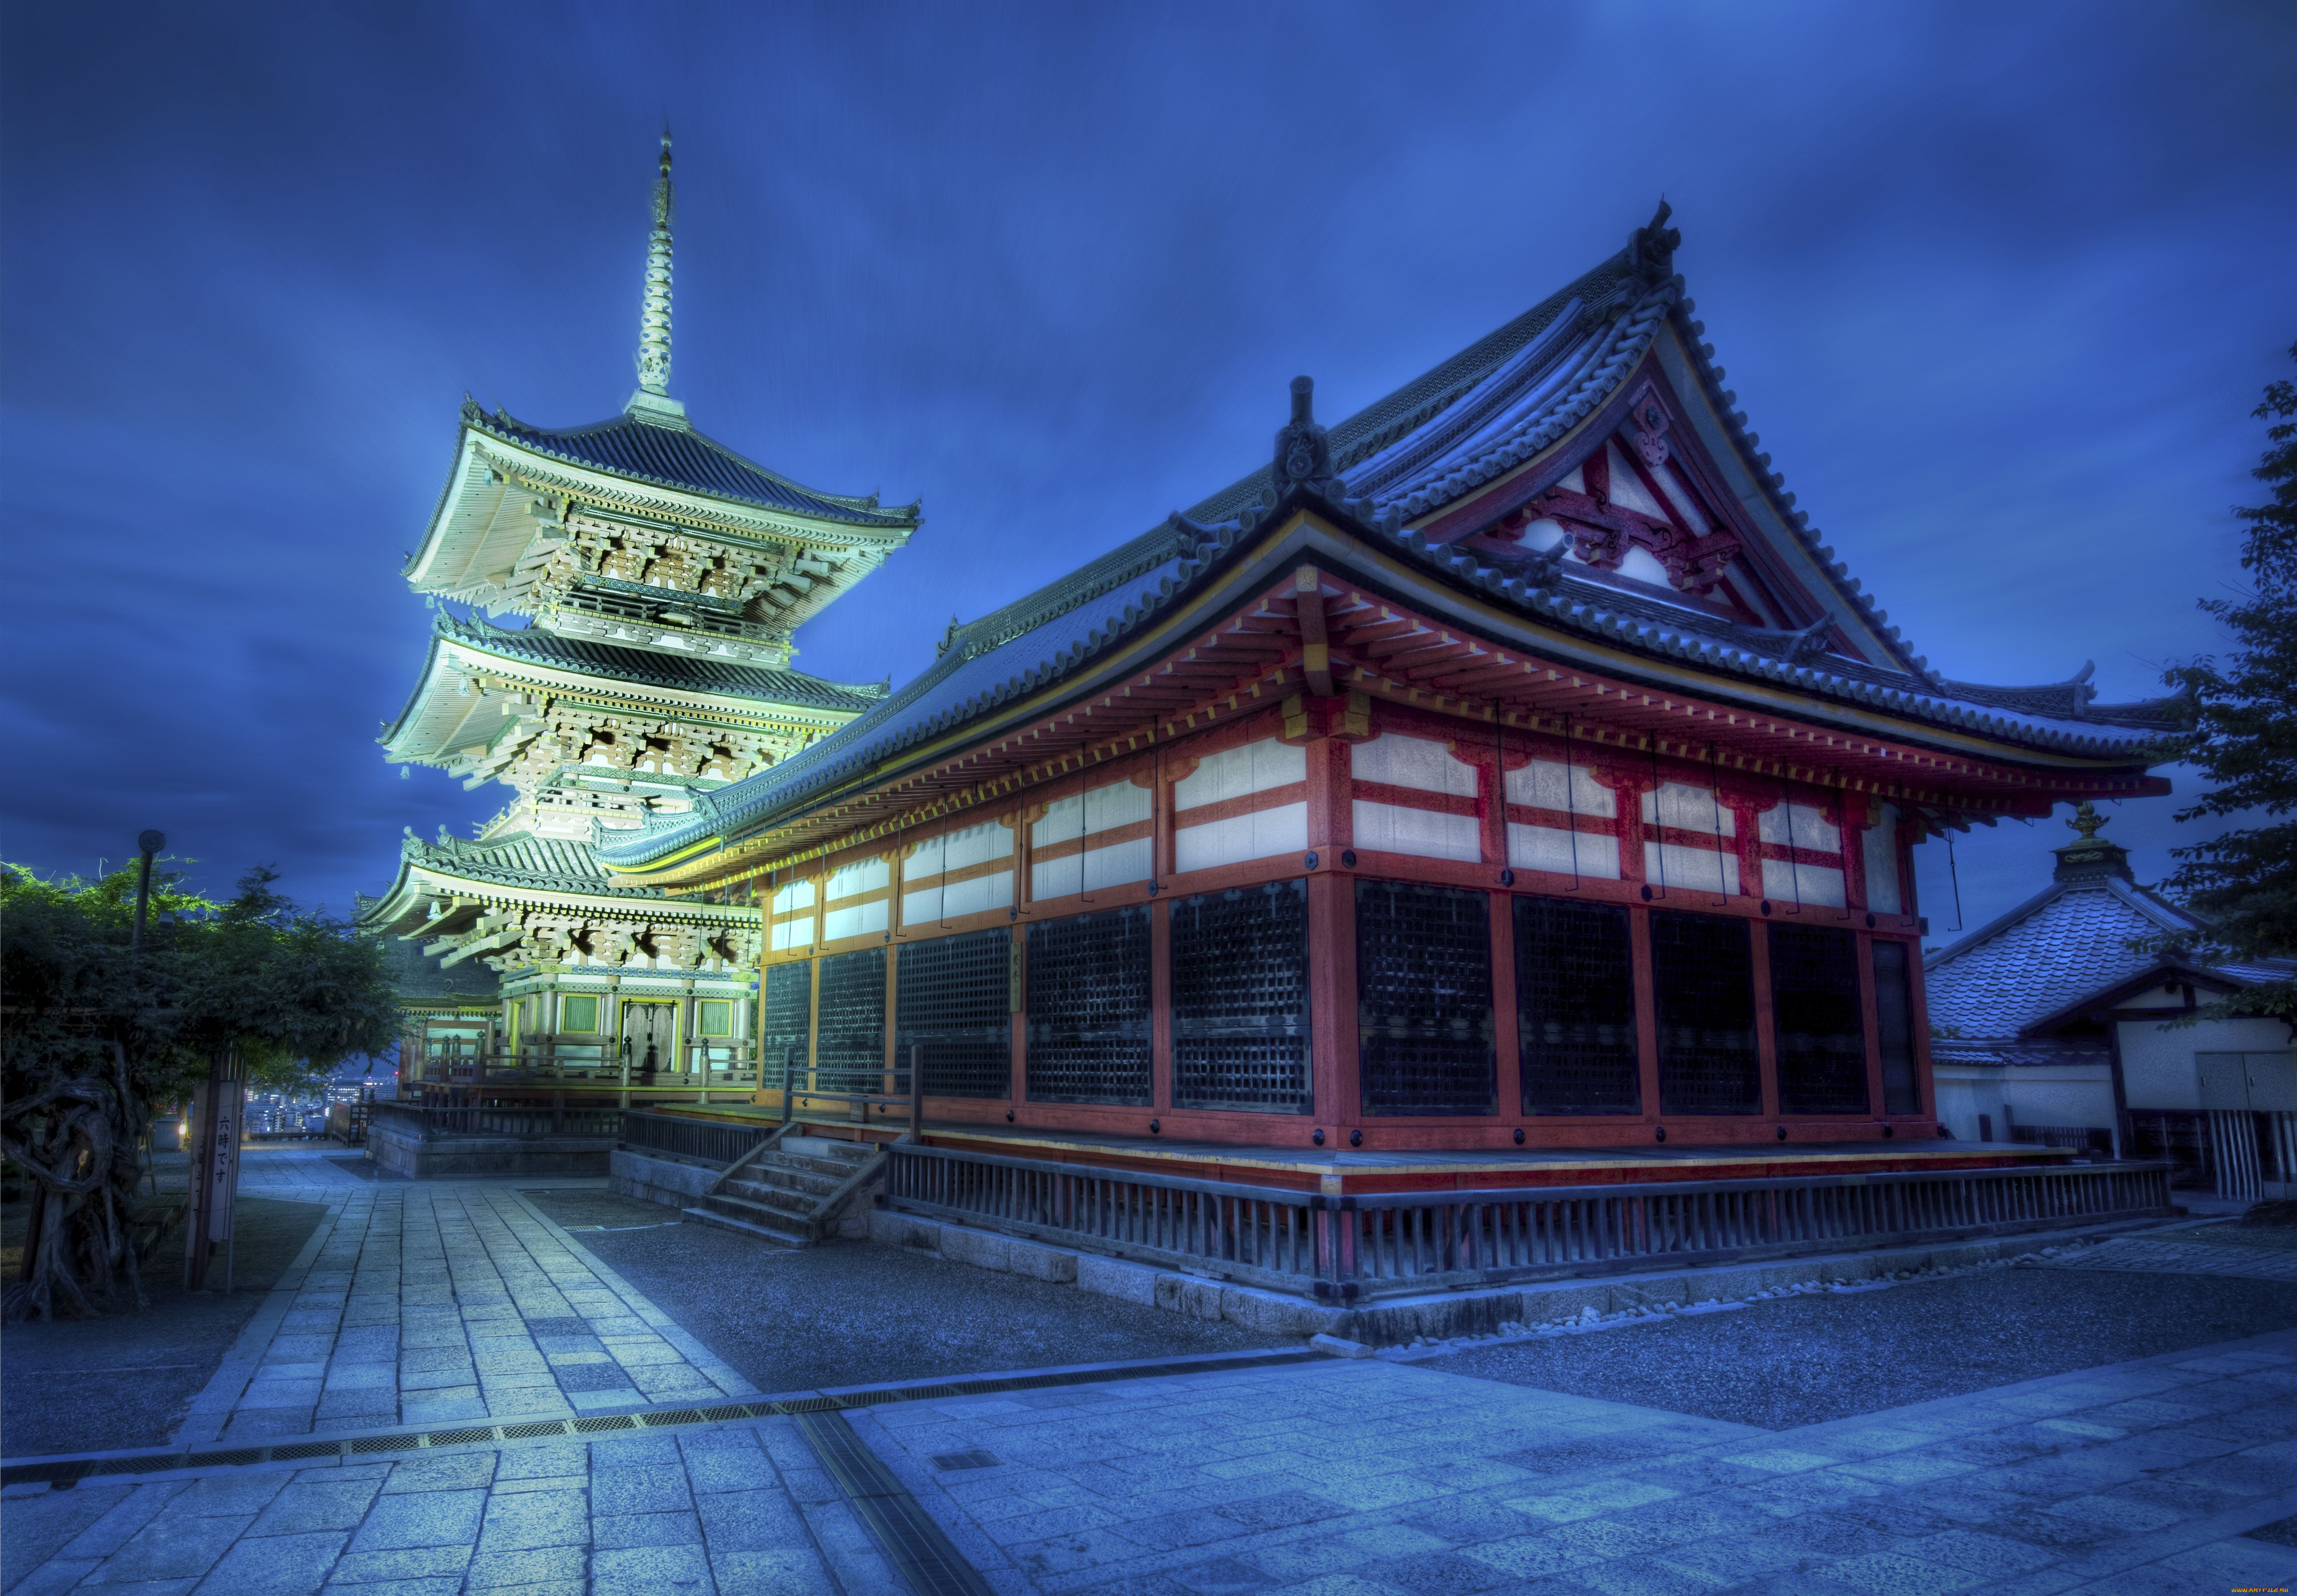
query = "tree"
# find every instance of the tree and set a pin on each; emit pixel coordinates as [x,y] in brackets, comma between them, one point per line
[2242,734]
[94,1034]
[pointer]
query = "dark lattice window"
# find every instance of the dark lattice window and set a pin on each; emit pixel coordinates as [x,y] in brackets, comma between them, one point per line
[786,1033]
[850,1054]
[1088,1008]
[1424,999]
[1894,1028]
[1574,993]
[1240,999]
[1816,1028]
[1703,982]
[952,997]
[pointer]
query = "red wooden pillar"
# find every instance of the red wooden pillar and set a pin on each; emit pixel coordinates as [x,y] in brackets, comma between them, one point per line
[1505,1021]
[1332,1001]
[1869,1022]
[1767,1049]
[1639,944]
[1160,1004]
[1017,1001]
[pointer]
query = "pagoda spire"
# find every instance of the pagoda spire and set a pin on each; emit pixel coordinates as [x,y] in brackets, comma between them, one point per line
[654,315]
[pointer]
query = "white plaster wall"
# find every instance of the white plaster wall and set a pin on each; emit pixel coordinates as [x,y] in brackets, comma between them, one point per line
[1881,842]
[2157,1061]
[1962,1095]
[1416,762]
[1542,784]
[1392,829]
[1283,829]
[1240,772]
[1815,884]
[955,850]
[1073,818]
[1550,848]
[2074,1096]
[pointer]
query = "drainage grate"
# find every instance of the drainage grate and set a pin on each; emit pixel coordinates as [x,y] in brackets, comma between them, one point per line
[918,1549]
[307,1449]
[62,1473]
[385,1444]
[528,1432]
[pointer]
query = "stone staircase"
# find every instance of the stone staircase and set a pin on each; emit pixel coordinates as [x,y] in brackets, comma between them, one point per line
[785,1194]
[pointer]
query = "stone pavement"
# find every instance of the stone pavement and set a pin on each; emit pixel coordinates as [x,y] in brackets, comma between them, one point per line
[2165,1256]
[1369,1478]
[419,1304]
[434,1302]
[742,1511]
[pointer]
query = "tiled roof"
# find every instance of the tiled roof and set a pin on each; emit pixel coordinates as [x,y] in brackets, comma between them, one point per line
[651,668]
[2047,952]
[674,455]
[1472,419]
[520,859]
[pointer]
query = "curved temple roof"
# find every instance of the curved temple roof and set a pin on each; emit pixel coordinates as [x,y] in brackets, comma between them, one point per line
[693,674]
[1471,421]
[649,448]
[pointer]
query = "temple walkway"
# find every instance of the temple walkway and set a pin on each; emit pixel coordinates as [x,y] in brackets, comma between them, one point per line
[1362,1478]
[432,1301]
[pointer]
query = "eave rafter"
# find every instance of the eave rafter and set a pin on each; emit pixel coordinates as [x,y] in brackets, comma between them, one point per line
[1371,645]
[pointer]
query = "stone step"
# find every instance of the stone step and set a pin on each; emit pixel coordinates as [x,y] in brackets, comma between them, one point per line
[814,1182]
[726,1222]
[800,1211]
[825,1146]
[764,1215]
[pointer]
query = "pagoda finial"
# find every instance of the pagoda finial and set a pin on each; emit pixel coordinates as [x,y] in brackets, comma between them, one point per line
[2086,820]
[653,319]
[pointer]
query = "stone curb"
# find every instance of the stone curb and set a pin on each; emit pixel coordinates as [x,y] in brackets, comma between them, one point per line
[1440,1316]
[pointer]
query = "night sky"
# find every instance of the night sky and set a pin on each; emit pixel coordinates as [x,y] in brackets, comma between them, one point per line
[1997,284]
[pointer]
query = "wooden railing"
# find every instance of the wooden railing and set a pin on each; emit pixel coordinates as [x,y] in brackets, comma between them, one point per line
[429,1121]
[704,1141]
[708,1066]
[1347,1247]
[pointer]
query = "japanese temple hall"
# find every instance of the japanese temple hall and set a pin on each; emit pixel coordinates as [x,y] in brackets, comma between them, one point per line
[1509,766]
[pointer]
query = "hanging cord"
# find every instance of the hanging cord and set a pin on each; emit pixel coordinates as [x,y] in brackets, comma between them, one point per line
[1570,801]
[1714,803]
[1658,819]
[1786,813]
[1954,877]
[1084,896]
[1156,807]
[1499,780]
[1842,838]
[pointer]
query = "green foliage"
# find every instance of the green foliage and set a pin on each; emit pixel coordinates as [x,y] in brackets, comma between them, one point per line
[97,1033]
[2242,734]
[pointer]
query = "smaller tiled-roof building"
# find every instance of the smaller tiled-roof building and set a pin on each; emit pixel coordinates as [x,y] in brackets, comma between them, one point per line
[2068,1021]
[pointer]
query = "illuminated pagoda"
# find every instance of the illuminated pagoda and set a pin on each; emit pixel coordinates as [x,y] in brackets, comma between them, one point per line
[660,576]
[1510,765]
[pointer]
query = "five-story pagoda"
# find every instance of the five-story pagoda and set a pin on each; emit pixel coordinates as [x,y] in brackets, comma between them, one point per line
[660,576]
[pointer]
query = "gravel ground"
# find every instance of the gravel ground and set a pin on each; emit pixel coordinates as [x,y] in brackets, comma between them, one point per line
[96,1385]
[1797,1361]
[849,1313]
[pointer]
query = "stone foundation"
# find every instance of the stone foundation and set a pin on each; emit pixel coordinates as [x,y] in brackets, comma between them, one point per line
[1393,1321]
[461,1157]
